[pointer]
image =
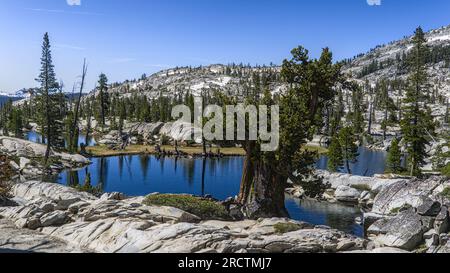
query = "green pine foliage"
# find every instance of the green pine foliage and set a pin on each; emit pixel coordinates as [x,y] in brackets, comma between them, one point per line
[347,141]
[50,114]
[335,158]
[417,124]
[394,158]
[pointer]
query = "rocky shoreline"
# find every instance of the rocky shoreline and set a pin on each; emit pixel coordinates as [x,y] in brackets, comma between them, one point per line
[27,158]
[407,216]
[402,213]
[112,224]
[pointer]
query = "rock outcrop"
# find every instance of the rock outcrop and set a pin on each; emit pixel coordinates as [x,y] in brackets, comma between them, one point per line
[30,154]
[113,223]
[411,214]
[17,240]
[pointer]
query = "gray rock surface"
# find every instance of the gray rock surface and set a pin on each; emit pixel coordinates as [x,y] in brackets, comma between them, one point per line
[16,240]
[413,193]
[405,231]
[27,150]
[347,194]
[124,226]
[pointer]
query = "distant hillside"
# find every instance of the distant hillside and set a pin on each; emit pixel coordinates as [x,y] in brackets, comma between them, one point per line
[390,61]
[4,99]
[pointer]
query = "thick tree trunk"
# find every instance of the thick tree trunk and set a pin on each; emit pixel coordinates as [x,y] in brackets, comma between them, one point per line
[262,190]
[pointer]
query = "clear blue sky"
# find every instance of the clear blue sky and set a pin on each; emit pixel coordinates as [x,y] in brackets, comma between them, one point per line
[126,38]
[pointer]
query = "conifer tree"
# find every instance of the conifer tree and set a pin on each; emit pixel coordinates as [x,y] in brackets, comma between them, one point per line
[311,85]
[347,140]
[49,107]
[356,116]
[103,98]
[417,124]
[335,158]
[15,123]
[394,158]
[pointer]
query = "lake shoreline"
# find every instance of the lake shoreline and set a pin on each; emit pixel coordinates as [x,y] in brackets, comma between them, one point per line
[195,151]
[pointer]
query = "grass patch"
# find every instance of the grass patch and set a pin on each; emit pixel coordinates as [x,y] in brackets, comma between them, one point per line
[446,170]
[446,193]
[282,228]
[362,187]
[102,151]
[203,208]
[403,208]
[319,149]
[96,191]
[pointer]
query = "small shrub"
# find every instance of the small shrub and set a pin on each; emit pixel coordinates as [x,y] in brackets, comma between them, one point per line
[282,228]
[446,193]
[204,208]
[87,187]
[165,140]
[446,170]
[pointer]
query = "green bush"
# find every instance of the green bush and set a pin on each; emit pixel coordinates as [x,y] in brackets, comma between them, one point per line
[446,193]
[446,170]
[282,228]
[203,208]
[165,140]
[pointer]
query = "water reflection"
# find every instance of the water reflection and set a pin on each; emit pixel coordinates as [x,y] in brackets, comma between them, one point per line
[323,213]
[37,138]
[369,163]
[142,174]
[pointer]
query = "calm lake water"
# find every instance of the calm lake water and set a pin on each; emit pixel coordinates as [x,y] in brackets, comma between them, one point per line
[220,178]
[37,138]
[369,163]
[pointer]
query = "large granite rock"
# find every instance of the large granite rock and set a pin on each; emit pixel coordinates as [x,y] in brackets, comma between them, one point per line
[403,231]
[16,240]
[27,150]
[416,193]
[124,236]
[146,130]
[181,131]
[37,190]
[339,179]
[347,194]
[111,225]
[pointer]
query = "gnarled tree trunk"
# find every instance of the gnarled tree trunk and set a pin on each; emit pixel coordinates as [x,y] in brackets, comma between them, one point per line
[262,192]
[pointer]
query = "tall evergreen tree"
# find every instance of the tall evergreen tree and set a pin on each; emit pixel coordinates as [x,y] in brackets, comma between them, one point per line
[417,124]
[103,99]
[49,113]
[356,116]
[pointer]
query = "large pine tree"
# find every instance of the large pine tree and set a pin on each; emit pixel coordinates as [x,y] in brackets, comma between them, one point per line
[48,97]
[311,85]
[103,99]
[417,124]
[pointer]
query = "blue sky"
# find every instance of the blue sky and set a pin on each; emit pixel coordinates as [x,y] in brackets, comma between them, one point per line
[126,38]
